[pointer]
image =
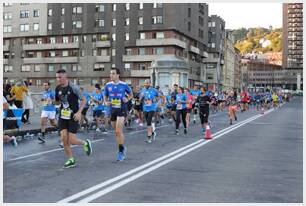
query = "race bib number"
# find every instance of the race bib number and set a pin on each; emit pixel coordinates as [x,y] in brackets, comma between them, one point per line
[66,114]
[137,102]
[179,106]
[148,102]
[116,103]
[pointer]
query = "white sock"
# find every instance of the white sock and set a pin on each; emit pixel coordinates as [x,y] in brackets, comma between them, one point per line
[153,127]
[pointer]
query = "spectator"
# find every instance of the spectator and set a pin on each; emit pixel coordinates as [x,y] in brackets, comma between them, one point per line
[18,92]
[27,104]
[6,93]
[7,138]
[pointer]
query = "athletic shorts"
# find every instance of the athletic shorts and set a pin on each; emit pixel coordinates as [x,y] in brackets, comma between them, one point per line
[138,107]
[97,113]
[189,110]
[232,108]
[173,108]
[71,125]
[48,114]
[117,112]
[149,117]
[84,111]
[204,116]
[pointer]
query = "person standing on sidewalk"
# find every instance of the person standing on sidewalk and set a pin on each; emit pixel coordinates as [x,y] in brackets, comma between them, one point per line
[27,104]
[48,111]
[115,96]
[68,94]
[17,92]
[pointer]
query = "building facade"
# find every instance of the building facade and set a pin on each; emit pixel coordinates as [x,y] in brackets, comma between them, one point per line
[87,40]
[229,61]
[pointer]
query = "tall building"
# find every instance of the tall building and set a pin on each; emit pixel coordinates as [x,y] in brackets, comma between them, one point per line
[293,35]
[229,59]
[166,42]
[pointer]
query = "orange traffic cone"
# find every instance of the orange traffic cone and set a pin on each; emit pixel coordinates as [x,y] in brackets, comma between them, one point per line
[262,111]
[208,133]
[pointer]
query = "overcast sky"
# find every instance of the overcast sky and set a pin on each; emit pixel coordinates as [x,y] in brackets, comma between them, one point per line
[237,15]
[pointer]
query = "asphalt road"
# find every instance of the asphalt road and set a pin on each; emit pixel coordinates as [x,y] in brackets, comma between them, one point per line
[258,159]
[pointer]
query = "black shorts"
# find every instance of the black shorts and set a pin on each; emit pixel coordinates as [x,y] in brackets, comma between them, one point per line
[71,125]
[84,111]
[117,112]
[204,116]
[189,110]
[149,117]
[173,108]
[97,113]
[193,105]
[138,107]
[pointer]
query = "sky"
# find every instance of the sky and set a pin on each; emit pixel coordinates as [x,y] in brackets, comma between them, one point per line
[247,15]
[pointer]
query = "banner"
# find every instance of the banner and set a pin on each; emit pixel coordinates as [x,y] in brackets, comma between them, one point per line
[12,118]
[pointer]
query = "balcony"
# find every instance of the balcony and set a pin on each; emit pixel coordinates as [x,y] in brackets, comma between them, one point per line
[140,73]
[194,49]
[50,60]
[51,46]
[204,54]
[142,58]
[103,58]
[161,42]
[99,44]
[6,48]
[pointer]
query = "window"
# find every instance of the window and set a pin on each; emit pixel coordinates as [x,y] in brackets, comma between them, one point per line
[65,53]
[127,67]
[76,68]
[82,52]
[7,16]
[159,35]
[62,25]
[209,24]
[189,12]
[100,8]
[49,26]
[213,45]
[157,5]
[114,22]
[127,36]
[24,14]
[7,29]
[213,24]
[39,41]
[25,68]
[104,52]
[49,12]
[50,68]
[114,37]
[38,82]
[52,40]
[63,11]
[6,55]
[141,51]
[8,68]
[30,54]
[64,67]
[141,6]
[113,52]
[24,27]
[84,38]
[140,20]
[37,67]
[104,37]
[127,6]
[201,33]
[114,7]
[157,19]
[77,24]
[189,26]
[158,51]
[201,21]
[51,53]
[127,21]
[7,4]
[128,51]
[100,23]
[98,67]
[35,27]
[77,10]
[142,66]
[210,76]
[36,13]
[142,35]
[94,52]
[75,39]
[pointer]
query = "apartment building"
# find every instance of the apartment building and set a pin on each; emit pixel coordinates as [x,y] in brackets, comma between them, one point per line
[168,43]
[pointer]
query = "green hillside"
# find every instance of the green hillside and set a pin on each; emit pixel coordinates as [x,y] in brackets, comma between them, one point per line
[247,40]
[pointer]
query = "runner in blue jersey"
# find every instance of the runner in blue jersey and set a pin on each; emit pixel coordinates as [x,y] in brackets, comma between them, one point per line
[48,111]
[181,110]
[150,97]
[114,95]
[86,107]
[97,105]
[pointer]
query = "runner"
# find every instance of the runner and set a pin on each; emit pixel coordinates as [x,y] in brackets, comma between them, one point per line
[195,92]
[86,107]
[138,106]
[189,103]
[67,94]
[181,109]
[275,100]
[203,102]
[97,106]
[150,97]
[48,111]
[232,106]
[114,95]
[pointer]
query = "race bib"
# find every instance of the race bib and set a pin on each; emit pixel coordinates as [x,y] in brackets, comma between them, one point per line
[66,114]
[179,106]
[137,102]
[116,103]
[148,102]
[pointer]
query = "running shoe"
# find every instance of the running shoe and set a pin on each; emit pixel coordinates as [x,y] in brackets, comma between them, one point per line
[154,135]
[177,132]
[231,122]
[185,131]
[41,139]
[69,163]
[13,141]
[98,130]
[235,118]
[149,140]
[87,147]
[60,144]
[203,131]
[121,155]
